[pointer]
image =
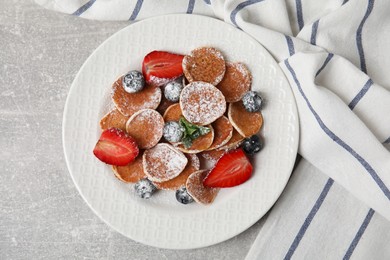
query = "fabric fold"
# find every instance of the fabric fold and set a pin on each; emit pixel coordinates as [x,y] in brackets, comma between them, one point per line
[332,134]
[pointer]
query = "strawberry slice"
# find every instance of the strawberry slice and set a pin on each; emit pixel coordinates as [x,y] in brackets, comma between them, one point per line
[115,147]
[160,67]
[232,169]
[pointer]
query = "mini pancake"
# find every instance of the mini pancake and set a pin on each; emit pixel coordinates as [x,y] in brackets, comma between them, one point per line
[212,156]
[193,165]
[246,123]
[114,119]
[163,162]
[198,191]
[233,143]
[132,172]
[236,82]
[204,64]
[173,113]
[202,103]
[223,131]
[129,103]
[146,127]
[200,144]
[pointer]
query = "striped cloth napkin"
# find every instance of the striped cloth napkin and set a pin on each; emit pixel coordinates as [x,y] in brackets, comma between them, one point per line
[336,56]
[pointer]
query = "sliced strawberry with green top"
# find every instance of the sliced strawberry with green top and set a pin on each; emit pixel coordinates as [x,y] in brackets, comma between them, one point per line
[116,147]
[232,169]
[160,67]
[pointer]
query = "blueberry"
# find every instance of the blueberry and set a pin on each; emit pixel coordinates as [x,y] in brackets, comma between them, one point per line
[252,145]
[252,101]
[172,91]
[173,131]
[133,81]
[144,188]
[183,197]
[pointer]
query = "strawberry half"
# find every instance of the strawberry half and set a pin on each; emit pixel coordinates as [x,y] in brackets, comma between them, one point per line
[115,147]
[231,170]
[160,67]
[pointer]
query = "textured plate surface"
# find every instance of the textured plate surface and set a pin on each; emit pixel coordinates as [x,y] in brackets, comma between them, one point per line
[161,221]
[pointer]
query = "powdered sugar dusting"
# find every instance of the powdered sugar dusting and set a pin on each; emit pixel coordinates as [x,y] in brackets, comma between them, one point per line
[163,162]
[156,81]
[202,103]
[150,116]
[194,159]
[212,157]
[240,67]
[198,191]
[218,79]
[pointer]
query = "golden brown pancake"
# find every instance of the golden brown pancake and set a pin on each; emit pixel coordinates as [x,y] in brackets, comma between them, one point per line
[129,103]
[223,131]
[114,119]
[233,143]
[163,162]
[132,172]
[246,123]
[204,64]
[201,103]
[146,127]
[236,82]
[198,191]
[175,183]
[173,113]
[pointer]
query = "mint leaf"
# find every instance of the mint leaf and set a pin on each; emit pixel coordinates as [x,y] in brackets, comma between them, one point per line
[191,132]
[187,141]
[195,134]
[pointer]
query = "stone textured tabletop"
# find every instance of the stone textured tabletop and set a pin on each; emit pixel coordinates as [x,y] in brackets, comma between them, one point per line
[42,216]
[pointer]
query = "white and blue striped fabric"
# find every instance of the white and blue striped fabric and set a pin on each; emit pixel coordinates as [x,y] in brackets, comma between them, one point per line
[336,56]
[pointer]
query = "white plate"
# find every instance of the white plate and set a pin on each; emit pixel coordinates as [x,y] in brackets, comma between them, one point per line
[161,221]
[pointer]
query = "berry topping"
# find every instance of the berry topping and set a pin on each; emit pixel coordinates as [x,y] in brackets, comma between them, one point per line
[172,91]
[252,101]
[133,81]
[231,170]
[173,131]
[160,67]
[252,145]
[144,188]
[115,147]
[182,196]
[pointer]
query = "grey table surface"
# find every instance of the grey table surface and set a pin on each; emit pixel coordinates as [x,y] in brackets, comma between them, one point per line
[42,216]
